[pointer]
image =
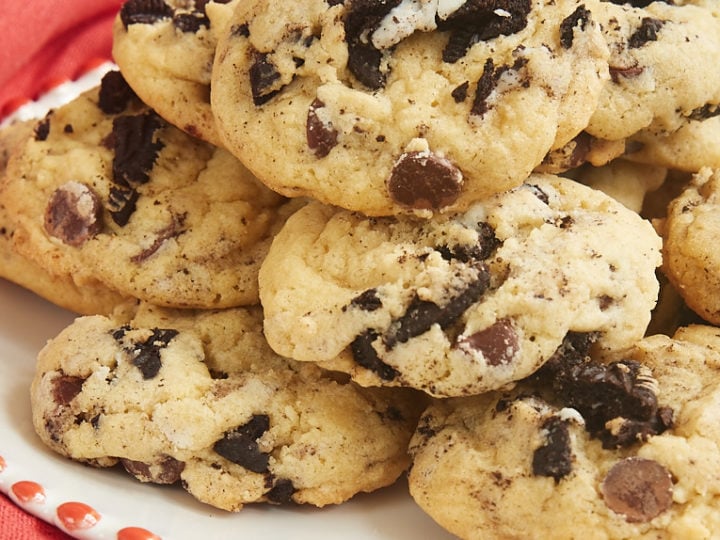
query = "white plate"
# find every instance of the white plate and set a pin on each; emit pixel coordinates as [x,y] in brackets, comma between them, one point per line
[120,502]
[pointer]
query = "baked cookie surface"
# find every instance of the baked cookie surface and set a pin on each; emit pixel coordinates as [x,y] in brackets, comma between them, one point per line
[109,192]
[197,397]
[620,450]
[691,261]
[401,107]
[165,51]
[464,303]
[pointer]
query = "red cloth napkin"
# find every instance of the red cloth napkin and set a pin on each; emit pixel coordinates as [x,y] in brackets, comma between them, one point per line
[17,525]
[44,43]
[41,45]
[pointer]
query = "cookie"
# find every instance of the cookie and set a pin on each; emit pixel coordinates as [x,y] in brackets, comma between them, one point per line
[198,398]
[628,449]
[689,257]
[165,51]
[659,58]
[108,192]
[403,107]
[463,303]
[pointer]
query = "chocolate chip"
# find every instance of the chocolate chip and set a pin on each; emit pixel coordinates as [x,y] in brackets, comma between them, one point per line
[498,343]
[263,75]
[146,355]
[73,214]
[579,17]
[42,129]
[554,457]
[281,492]
[65,388]
[364,61]
[165,471]
[423,180]
[646,33]
[321,135]
[639,489]
[115,93]
[144,12]
[241,447]
[478,20]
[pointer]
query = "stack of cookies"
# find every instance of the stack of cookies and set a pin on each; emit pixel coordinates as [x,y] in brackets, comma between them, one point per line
[316,245]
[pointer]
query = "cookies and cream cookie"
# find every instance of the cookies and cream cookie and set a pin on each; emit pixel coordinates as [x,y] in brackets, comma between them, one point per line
[106,191]
[198,398]
[628,449]
[463,303]
[403,106]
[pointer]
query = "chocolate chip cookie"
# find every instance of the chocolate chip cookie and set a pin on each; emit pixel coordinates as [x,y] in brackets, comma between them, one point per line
[404,107]
[198,398]
[165,51]
[462,303]
[584,449]
[107,191]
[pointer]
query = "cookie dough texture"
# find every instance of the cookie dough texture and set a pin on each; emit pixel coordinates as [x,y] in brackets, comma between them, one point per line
[464,303]
[124,199]
[402,107]
[165,51]
[659,58]
[690,260]
[477,462]
[199,398]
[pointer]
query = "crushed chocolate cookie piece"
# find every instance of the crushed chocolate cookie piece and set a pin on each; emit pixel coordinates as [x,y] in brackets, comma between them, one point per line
[580,17]
[172,230]
[123,203]
[554,457]
[367,301]
[617,72]
[115,93]
[709,110]
[321,135]
[166,471]
[640,489]
[638,3]
[190,23]
[73,214]
[42,129]
[647,32]
[423,180]
[364,59]
[65,388]
[499,343]
[538,192]
[281,492]
[459,93]
[144,12]
[240,445]
[263,75]
[366,356]
[487,244]
[146,355]
[480,20]
[488,82]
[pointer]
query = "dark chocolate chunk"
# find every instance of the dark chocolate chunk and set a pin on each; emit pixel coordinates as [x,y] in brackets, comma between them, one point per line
[554,457]
[241,447]
[65,388]
[498,343]
[165,471]
[640,489]
[423,180]
[144,12]
[146,355]
[42,129]
[321,135]
[622,391]
[479,20]
[73,214]
[115,93]
[263,75]
[367,301]
[580,17]
[281,492]
[646,33]
[362,17]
